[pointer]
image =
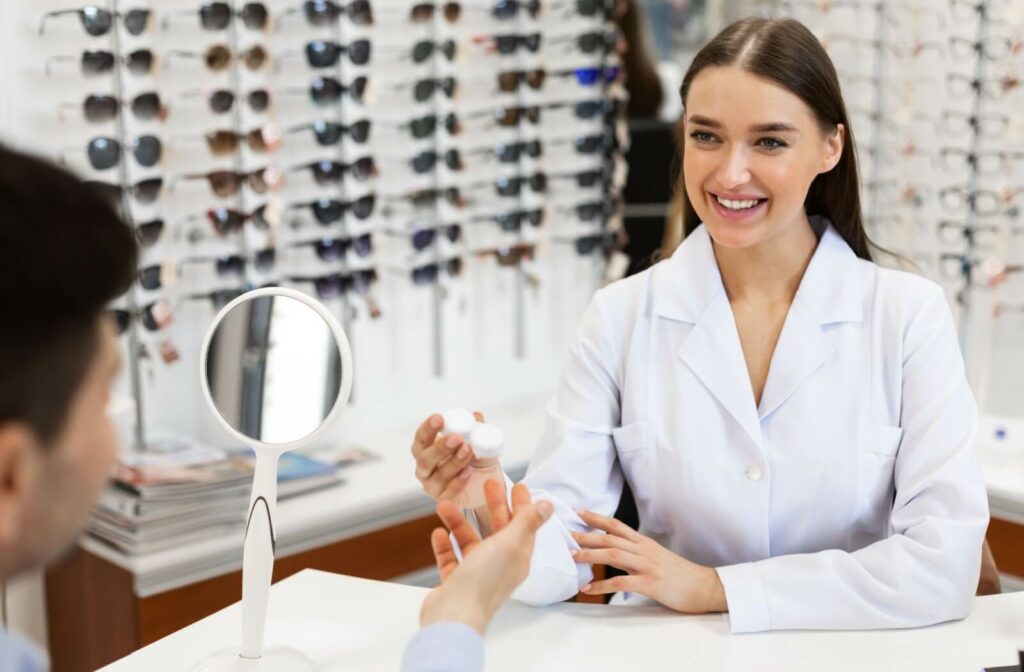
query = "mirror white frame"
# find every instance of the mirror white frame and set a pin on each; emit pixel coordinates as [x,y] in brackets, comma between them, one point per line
[260,537]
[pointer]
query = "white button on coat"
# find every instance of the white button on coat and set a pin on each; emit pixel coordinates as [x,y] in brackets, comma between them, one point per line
[754,473]
[872,508]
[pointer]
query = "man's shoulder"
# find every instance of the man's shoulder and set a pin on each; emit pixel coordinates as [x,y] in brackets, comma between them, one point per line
[20,655]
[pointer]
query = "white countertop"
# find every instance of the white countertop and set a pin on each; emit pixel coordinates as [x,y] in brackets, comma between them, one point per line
[383,493]
[355,625]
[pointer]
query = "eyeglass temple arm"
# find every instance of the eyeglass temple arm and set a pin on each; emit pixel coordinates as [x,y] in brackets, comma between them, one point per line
[50,15]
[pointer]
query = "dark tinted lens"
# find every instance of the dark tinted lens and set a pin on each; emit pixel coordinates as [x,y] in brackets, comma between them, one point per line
[506,44]
[218,57]
[510,221]
[224,182]
[259,218]
[587,108]
[225,220]
[451,124]
[363,168]
[147,191]
[424,162]
[535,78]
[96,21]
[96,62]
[359,52]
[508,153]
[265,259]
[254,16]
[589,178]
[136,20]
[325,90]
[149,277]
[233,265]
[100,108]
[423,127]
[424,275]
[448,86]
[358,88]
[149,320]
[535,217]
[589,211]
[139,61]
[149,232]
[329,287]
[507,116]
[221,101]
[421,13]
[533,6]
[322,54]
[327,211]
[330,249]
[534,148]
[421,51]
[121,318]
[320,12]
[508,81]
[505,9]
[254,57]
[327,132]
[362,280]
[453,232]
[360,13]
[453,159]
[424,89]
[363,207]
[423,238]
[587,245]
[259,100]
[360,131]
[532,114]
[363,245]
[589,144]
[587,7]
[449,49]
[147,106]
[103,153]
[326,171]
[508,186]
[222,143]
[215,15]
[539,182]
[532,42]
[452,10]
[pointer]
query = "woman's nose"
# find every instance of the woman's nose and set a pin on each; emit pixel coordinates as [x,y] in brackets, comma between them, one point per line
[735,170]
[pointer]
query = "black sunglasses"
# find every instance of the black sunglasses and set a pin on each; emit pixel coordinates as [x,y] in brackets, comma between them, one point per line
[105,152]
[424,238]
[148,233]
[331,132]
[510,152]
[508,9]
[99,108]
[145,191]
[326,12]
[328,211]
[429,273]
[512,186]
[507,44]
[425,161]
[423,89]
[222,100]
[226,221]
[335,285]
[97,62]
[217,15]
[325,54]
[335,249]
[98,21]
[328,90]
[326,172]
[426,126]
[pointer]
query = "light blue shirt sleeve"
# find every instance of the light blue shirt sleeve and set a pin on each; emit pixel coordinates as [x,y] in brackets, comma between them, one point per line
[445,647]
[18,655]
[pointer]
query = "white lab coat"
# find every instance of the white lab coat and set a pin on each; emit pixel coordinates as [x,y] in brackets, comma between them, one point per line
[851,498]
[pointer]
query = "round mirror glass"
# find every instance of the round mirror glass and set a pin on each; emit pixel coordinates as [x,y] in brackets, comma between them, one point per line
[274,369]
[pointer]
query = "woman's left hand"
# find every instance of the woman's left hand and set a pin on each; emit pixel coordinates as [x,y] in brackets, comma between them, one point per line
[652,569]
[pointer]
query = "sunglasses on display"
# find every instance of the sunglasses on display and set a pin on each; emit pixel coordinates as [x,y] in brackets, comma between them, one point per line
[336,285]
[226,221]
[604,8]
[267,138]
[587,245]
[584,179]
[513,255]
[513,221]
[217,15]
[426,198]
[225,183]
[102,107]
[330,132]
[429,274]
[328,90]
[325,54]
[219,57]
[98,21]
[145,192]
[508,9]
[105,153]
[325,12]
[424,49]
[513,186]
[588,43]
[221,101]
[331,172]
[506,44]
[424,11]
[327,211]
[425,161]
[424,89]
[155,316]
[149,233]
[336,249]
[98,62]
[423,238]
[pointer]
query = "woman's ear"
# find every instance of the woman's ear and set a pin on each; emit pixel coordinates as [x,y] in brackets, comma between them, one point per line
[19,473]
[834,143]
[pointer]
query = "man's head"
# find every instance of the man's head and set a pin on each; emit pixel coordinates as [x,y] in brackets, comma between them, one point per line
[64,255]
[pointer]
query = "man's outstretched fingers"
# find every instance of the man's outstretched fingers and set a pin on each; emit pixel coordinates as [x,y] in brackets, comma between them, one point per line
[520,497]
[528,519]
[444,553]
[460,528]
[496,504]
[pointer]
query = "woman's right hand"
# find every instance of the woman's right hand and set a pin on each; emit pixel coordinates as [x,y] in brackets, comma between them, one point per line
[447,468]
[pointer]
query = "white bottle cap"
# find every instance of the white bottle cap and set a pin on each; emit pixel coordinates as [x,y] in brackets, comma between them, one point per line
[458,421]
[486,440]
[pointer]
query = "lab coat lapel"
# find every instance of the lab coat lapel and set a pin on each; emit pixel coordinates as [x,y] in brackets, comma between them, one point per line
[714,354]
[829,293]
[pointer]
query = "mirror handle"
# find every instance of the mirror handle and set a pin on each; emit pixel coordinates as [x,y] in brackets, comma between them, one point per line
[258,554]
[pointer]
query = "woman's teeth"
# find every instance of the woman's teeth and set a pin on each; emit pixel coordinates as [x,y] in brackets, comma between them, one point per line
[737,205]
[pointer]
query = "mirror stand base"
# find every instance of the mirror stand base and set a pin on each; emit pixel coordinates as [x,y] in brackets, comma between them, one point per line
[274,659]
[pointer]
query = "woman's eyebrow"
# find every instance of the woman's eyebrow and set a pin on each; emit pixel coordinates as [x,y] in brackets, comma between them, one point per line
[772,127]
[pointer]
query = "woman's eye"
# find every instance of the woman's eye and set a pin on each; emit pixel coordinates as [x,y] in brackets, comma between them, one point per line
[702,136]
[771,143]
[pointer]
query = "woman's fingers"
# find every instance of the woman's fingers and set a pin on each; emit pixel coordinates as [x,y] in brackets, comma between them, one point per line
[494,493]
[426,433]
[428,460]
[602,540]
[453,466]
[624,560]
[617,584]
[444,553]
[610,525]
[451,490]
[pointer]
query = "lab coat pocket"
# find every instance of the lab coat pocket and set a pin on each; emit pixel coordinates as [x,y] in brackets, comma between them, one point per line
[876,465]
[633,446]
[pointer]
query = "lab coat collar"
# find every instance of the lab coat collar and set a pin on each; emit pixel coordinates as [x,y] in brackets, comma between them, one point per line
[688,288]
[686,284]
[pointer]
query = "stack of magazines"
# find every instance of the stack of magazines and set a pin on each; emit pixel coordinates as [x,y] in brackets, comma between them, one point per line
[164,499]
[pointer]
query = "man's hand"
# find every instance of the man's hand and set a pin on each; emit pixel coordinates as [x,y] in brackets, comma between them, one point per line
[653,570]
[471,592]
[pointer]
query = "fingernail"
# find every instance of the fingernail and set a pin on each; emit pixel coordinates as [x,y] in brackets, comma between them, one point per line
[545,509]
[463,452]
[454,440]
[581,512]
[574,553]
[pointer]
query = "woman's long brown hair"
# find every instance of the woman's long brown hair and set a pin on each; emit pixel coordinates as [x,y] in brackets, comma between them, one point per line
[787,53]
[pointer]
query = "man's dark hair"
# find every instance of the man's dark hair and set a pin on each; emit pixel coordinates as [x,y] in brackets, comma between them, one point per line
[64,255]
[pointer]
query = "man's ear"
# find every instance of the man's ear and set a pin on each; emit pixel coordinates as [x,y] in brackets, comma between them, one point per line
[834,144]
[20,464]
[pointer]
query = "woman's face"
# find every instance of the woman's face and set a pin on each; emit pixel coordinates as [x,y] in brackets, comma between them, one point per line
[752,149]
